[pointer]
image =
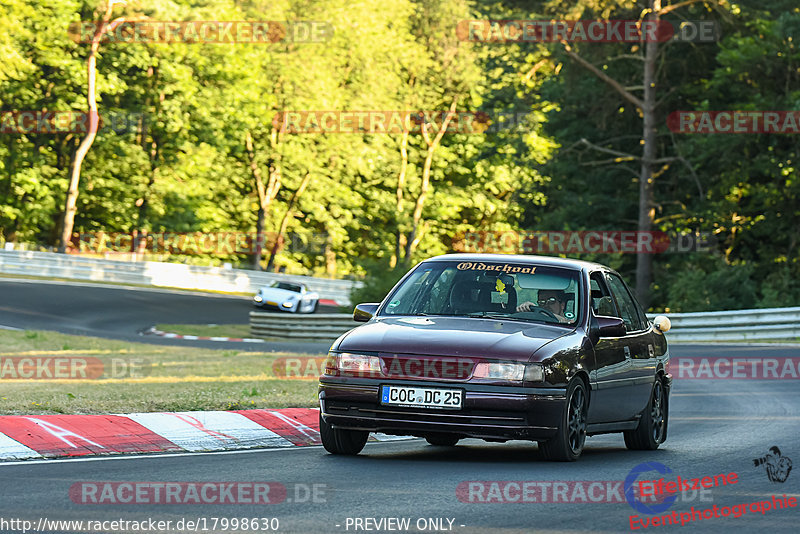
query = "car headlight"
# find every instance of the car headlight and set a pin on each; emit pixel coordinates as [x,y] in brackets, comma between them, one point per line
[345,363]
[500,371]
[512,372]
[534,372]
[257,298]
[287,304]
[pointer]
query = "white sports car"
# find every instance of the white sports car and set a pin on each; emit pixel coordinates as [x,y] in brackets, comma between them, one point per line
[287,296]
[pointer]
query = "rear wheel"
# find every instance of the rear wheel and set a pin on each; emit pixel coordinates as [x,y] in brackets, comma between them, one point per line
[567,445]
[652,429]
[442,440]
[340,440]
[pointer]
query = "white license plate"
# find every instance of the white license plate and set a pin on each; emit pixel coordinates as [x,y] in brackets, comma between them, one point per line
[446,399]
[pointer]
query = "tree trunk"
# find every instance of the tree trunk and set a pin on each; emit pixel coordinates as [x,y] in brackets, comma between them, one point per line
[416,233]
[276,248]
[401,181]
[644,262]
[150,146]
[266,194]
[83,149]
[330,256]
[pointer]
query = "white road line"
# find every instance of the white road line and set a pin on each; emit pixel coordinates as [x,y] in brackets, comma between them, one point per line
[4,327]
[11,448]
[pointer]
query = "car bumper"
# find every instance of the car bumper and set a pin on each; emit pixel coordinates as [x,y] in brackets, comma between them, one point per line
[272,305]
[488,412]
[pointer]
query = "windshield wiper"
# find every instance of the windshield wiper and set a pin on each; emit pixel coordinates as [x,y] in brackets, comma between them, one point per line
[491,314]
[500,315]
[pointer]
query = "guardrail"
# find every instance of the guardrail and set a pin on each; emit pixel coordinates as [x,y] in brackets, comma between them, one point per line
[161,274]
[323,326]
[739,325]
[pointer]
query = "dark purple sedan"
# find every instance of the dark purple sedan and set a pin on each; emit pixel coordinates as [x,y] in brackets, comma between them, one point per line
[500,347]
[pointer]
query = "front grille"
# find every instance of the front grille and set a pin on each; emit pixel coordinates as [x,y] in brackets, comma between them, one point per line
[426,367]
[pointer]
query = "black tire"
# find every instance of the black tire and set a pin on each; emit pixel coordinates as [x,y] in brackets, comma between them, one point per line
[314,309]
[442,440]
[340,440]
[652,429]
[567,444]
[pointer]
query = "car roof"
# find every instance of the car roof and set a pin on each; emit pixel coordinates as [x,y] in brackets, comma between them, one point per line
[550,261]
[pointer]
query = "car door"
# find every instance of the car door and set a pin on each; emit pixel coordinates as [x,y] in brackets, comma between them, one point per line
[638,343]
[613,365]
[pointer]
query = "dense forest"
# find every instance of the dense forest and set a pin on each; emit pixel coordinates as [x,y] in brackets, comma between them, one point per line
[575,136]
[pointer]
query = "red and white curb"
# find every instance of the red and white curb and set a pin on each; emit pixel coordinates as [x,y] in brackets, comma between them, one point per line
[50,436]
[153,331]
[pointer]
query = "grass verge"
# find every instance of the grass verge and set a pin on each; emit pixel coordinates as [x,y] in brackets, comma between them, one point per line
[138,377]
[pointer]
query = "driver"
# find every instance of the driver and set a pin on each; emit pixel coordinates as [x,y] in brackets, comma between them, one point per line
[554,301]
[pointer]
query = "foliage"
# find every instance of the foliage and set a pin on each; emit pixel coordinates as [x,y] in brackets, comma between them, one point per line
[377,284]
[182,166]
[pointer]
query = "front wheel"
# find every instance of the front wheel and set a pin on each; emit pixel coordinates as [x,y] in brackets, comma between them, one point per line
[340,440]
[652,429]
[567,444]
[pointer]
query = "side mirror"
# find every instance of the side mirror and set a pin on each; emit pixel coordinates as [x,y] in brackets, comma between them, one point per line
[610,326]
[662,323]
[364,312]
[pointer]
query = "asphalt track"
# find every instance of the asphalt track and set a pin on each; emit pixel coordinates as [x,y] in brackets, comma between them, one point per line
[121,312]
[117,312]
[716,427]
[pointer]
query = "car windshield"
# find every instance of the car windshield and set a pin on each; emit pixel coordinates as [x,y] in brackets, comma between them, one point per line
[496,289]
[297,288]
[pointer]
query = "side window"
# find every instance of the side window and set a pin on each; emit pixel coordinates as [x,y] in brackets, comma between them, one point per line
[642,315]
[602,303]
[627,307]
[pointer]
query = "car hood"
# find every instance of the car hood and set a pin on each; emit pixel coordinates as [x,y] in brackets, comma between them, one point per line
[451,336]
[275,293]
